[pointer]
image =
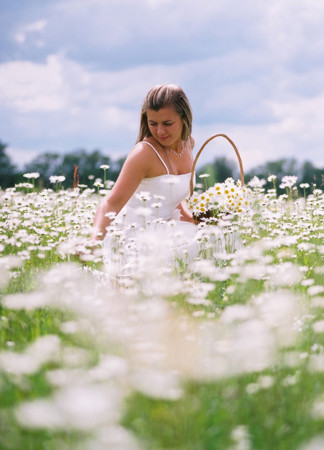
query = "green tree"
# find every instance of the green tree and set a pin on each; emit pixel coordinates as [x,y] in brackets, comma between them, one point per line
[311,174]
[280,168]
[46,164]
[88,165]
[220,169]
[8,171]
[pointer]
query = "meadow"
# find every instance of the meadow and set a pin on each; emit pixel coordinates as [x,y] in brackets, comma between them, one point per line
[225,352]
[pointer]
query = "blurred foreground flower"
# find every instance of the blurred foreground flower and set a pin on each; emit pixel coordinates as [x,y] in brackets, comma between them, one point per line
[31,175]
[288,181]
[57,179]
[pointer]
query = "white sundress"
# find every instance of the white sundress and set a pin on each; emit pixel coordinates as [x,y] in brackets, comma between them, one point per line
[149,226]
[151,217]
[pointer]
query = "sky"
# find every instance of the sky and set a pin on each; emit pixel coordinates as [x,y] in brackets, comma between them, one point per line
[74,73]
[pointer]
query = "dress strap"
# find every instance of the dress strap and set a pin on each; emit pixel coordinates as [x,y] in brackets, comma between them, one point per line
[166,167]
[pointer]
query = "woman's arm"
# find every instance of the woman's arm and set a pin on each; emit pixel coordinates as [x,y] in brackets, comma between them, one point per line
[135,168]
[186,215]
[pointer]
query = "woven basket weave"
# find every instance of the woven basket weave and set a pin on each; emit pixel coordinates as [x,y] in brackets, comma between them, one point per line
[201,149]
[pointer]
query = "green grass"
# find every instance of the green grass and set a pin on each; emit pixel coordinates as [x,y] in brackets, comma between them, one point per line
[274,416]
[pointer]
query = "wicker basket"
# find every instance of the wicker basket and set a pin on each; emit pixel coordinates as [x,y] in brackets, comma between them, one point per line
[198,219]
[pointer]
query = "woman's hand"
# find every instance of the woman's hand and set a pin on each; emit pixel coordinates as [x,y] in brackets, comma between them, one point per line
[185,215]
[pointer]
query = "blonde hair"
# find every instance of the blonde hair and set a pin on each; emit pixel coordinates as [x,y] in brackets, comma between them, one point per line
[166,95]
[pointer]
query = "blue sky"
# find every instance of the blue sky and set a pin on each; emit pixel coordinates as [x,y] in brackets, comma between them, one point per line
[73,73]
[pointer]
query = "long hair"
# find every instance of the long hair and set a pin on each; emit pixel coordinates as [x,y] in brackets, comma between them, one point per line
[166,95]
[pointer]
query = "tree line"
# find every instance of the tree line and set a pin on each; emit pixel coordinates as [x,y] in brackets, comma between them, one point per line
[79,163]
[86,167]
[222,168]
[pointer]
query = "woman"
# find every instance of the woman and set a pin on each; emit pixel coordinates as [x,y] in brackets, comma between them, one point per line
[155,177]
[164,147]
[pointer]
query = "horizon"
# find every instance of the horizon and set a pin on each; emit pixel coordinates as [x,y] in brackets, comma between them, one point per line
[201,163]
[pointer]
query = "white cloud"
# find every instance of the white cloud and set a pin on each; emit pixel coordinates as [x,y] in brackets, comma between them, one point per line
[290,26]
[28,87]
[63,97]
[20,37]
[30,30]
[254,70]
[300,125]
[39,25]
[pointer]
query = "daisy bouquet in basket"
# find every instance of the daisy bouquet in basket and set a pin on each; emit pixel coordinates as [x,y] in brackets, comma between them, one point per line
[228,198]
[222,199]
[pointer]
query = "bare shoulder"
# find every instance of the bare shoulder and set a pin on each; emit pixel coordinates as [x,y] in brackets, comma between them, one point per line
[142,149]
[141,155]
[192,142]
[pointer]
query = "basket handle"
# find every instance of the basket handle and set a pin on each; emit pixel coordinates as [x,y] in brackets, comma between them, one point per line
[201,149]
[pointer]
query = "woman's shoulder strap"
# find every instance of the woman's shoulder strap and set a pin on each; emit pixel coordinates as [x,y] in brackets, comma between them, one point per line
[157,153]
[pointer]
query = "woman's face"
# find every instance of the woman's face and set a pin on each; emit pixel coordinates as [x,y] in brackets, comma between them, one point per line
[165,125]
